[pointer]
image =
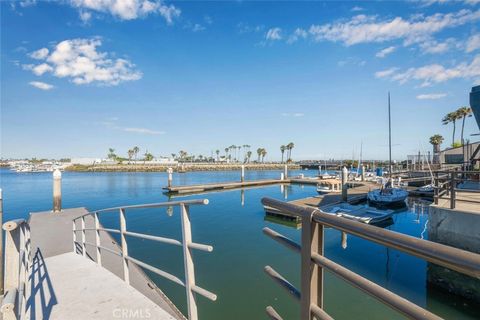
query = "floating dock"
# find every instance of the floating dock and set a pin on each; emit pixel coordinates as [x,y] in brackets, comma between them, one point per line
[221,186]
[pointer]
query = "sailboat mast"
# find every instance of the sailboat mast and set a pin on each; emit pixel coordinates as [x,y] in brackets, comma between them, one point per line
[389,138]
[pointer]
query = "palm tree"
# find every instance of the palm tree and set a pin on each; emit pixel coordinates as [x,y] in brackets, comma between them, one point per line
[282,150]
[147,157]
[249,154]
[173,155]
[182,154]
[451,117]
[130,155]
[264,153]
[111,154]
[259,153]
[463,113]
[290,146]
[436,140]
[135,152]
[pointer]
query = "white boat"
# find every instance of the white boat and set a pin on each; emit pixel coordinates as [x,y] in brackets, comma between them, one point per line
[361,213]
[387,196]
[328,186]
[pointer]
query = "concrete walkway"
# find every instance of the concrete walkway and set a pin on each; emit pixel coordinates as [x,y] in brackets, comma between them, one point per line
[69,286]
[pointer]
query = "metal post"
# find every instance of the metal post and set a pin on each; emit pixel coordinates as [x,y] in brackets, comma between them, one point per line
[84,247]
[97,239]
[170,176]
[1,244]
[282,176]
[123,229]
[285,171]
[452,190]
[344,183]
[242,177]
[363,173]
[188,262]
[57,191]
[311,273]
[74,237]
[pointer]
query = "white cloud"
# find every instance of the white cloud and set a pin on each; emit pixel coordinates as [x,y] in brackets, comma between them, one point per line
[79,60]
[433,46]
[384,52]
[473,43]
[356,9]
[431,96]
[385,73]
[85,16]
[273,34]
[367,29]
[128,9]
[39,54]
[197,27]
[295,115]
[143,131]
[111,123]
[246,28]
[299,33]
[434,73]
[41,85]
[351,61]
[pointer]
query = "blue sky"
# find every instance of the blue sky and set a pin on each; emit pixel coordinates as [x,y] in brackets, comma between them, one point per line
[80,76]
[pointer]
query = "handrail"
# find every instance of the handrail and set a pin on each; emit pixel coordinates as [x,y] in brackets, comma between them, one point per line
[18,260]
[447,186]
[187,244]
[460,260]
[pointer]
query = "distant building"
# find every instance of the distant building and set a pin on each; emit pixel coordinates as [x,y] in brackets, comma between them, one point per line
[85,161]
[459,155]
[475,103]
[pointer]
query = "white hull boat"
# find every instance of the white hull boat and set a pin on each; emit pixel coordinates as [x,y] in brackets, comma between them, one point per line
[387,196]
[360,213]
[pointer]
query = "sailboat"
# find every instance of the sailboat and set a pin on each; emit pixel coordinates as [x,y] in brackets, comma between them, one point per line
[388,195]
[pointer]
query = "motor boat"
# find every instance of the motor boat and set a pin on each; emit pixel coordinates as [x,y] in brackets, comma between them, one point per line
[360,213]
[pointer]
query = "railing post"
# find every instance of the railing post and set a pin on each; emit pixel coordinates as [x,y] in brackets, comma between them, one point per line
[311,273]
[452,190]
[188,262]
[84,247]
[97,239]
[57,191]
[123,229]
[12,258]
[74,236]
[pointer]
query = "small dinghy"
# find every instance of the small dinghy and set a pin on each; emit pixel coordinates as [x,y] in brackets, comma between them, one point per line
[361,213]
[328,186]
[387,196]
[425,191]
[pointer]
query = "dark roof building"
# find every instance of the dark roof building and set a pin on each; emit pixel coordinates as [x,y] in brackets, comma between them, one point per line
[475,103]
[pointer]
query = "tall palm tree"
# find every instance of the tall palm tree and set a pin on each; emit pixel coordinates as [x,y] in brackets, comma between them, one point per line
[451,117]
[135,152]
[259,153]
[173,156]
[249,154]
[111,154]
[436,140]
[217,152]
[463,113]
[282,150]
[264,153]
[130,154]
[290,146]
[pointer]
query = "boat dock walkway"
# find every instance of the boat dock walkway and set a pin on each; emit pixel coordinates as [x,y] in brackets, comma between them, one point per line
[62,283]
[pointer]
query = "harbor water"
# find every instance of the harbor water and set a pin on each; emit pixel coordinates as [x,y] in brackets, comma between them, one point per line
[232,223]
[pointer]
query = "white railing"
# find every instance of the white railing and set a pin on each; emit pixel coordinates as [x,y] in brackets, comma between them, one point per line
[187,244]
[18,260]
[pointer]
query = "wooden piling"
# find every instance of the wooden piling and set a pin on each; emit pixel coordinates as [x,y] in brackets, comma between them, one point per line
[242,177]
[170,176]
[57,191]
[285,171]
[344,183]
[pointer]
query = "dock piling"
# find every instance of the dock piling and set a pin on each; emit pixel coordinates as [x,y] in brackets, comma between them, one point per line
[170,176]
[285,171]
[243,174]
[363,173]
[344,183]
[282,176]
[57,191]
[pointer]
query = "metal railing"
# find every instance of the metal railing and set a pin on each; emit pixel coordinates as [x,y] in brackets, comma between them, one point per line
[446,186]
[186,243]
[313,261]
[18,262]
